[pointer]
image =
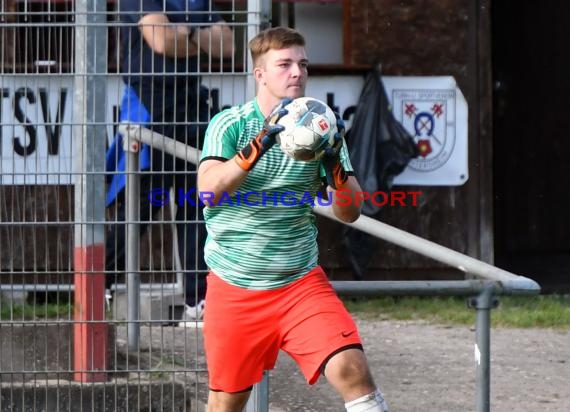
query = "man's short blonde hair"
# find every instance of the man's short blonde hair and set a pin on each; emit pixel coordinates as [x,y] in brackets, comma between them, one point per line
[275,38]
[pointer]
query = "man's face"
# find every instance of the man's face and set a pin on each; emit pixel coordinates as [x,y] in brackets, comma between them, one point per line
[284,72]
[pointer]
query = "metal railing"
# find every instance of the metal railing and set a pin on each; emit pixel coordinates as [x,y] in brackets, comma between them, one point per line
[490,280]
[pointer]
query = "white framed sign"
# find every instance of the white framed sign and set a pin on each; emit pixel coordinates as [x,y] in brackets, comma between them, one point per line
[434,111]
[37,118]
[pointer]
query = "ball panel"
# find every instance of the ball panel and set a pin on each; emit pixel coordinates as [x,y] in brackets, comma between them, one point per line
[310,126]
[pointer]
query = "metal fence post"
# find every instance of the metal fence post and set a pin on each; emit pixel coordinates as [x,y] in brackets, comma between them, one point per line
[132,241]
[89,329]
[483,303]
[258,18]
[259,399]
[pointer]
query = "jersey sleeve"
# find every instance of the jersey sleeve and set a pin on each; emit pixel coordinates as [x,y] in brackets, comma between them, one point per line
[133,10]
[220,141]
[194,11]
[344,160]
[202,12]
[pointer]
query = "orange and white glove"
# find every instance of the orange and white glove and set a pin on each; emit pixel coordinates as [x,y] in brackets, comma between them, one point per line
[247,157]
[335,173]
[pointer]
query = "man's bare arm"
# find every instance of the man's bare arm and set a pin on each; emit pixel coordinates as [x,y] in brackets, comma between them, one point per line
[180,41]
[216,40]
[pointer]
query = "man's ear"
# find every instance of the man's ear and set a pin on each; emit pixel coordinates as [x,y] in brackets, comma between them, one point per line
[258,74]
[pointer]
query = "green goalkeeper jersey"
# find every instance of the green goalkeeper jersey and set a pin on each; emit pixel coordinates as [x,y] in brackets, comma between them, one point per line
[264,235]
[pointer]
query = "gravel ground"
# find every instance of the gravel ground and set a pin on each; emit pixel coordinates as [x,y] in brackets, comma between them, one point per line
[423,367]
[419,366]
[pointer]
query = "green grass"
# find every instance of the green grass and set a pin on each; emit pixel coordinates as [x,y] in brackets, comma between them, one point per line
[550,311]
[31,312]
[512,312]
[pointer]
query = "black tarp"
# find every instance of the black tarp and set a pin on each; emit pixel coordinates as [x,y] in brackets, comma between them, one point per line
[380,149]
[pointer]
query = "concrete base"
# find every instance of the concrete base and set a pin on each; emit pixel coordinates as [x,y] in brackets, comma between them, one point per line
[67,396]
[39,351]
[13,297]
[36,372]
[156,306]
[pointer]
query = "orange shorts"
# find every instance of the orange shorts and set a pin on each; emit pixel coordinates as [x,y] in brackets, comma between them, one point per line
[244,329]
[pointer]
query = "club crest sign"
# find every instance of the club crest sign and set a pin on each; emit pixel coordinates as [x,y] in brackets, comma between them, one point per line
[37,142]
[435,114]
[426,114]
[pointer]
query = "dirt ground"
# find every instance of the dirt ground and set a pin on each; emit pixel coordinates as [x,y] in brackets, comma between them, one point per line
[423,367]
[419,366]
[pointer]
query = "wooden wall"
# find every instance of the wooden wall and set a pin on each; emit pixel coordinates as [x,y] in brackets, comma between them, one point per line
[427,38]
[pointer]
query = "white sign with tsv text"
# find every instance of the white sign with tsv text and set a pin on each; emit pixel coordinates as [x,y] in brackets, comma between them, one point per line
[37,122]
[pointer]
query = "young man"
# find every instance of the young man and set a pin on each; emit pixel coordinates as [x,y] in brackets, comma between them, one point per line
[160,44]
[266,291]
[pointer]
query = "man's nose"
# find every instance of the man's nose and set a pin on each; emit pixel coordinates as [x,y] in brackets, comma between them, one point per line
[296,70]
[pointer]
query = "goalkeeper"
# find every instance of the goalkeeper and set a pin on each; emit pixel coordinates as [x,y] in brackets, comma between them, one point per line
[266,291]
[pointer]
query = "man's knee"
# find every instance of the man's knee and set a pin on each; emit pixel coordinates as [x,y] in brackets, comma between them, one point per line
[349,366]
[227,402]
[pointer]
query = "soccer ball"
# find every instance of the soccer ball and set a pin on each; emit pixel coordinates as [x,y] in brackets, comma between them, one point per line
[310,127]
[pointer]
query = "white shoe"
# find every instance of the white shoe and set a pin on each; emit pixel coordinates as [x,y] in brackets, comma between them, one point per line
[108,299]
[192,316]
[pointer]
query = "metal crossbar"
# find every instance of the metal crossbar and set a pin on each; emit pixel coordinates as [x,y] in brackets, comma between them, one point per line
[491,280]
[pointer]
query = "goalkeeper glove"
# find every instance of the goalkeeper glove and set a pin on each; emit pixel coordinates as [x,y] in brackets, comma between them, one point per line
[337,177]
[265,139]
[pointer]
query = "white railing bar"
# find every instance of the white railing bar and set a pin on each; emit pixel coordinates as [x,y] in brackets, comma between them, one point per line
[510,282]
[370,288]
[55,287]
[433,250]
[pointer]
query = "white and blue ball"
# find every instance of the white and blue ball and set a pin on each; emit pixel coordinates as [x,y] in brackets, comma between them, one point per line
[310,127]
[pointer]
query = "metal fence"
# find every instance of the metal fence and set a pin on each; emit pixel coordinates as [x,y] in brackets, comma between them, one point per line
[64,346]
[484,282]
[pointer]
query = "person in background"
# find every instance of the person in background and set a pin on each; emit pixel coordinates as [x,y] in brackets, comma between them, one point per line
[161,41]
[266,290]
